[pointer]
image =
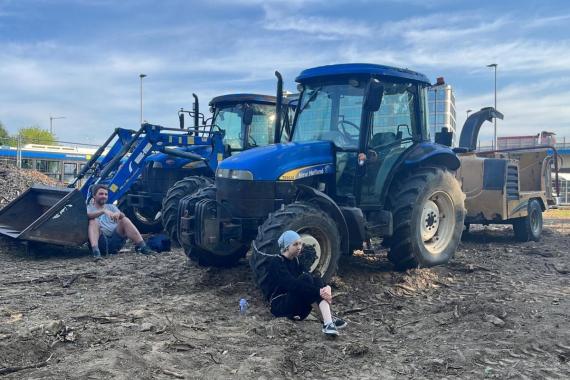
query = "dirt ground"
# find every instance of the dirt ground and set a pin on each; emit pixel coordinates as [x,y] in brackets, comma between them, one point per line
[500,310]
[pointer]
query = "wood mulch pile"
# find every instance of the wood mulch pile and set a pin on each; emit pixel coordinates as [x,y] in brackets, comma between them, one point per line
[14,181]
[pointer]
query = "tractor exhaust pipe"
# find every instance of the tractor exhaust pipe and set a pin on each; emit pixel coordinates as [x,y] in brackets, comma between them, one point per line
[196,113]
[278,107]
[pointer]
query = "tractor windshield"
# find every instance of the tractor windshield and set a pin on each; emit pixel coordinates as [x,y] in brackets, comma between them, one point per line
[229,118]
[331,112]
[261,128]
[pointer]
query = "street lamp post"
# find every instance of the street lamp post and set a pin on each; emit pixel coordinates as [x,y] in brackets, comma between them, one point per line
[51,119]
[468,112]
[494,66]
[142,76]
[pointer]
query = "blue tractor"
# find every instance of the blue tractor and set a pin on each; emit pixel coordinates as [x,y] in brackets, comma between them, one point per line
[358,164]
[247,120]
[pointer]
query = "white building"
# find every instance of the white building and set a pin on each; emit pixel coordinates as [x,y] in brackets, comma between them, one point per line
[441,103]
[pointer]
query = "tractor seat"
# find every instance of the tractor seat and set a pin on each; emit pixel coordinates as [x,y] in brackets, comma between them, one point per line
[382,138]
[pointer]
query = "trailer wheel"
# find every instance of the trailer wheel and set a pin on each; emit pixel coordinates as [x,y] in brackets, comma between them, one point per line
[144,219]
[529,227]
[169,213]
[428,213]
[317,229]
[228,256]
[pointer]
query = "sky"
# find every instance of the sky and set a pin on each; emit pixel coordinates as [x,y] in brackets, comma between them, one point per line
[81,59]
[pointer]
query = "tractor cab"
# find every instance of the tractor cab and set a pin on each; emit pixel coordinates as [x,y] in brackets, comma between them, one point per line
[247,120]
[372,114]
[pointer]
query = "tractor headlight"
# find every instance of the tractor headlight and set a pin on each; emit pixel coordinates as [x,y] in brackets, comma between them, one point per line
[234,174]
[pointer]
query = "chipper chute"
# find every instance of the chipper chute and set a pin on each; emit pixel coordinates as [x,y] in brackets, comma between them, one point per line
[46,214]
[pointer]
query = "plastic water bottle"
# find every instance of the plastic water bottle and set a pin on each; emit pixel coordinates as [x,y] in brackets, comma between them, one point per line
[243,306]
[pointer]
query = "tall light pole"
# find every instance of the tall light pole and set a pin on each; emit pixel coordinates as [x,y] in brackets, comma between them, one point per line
[494,66]
[51,119]
[142,76]
[468,112]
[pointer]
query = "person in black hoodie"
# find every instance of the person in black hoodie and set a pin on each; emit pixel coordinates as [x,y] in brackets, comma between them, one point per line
[291,291]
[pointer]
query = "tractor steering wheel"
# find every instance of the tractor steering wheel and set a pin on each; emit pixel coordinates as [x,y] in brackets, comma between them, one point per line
[341,124]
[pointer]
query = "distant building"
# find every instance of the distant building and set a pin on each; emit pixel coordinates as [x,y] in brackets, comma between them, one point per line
[513,142]
[441,103]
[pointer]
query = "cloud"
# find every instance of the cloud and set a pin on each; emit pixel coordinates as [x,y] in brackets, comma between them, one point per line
[528,108]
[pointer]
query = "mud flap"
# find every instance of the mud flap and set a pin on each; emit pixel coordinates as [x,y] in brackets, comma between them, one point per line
[46,214]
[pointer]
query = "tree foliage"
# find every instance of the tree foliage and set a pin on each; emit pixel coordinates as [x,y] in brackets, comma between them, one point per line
[37,135]
[3,132]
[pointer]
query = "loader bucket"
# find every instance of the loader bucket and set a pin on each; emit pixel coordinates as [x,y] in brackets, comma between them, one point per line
[46,214]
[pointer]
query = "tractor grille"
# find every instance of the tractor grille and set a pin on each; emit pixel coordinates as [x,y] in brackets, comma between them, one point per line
[512,182]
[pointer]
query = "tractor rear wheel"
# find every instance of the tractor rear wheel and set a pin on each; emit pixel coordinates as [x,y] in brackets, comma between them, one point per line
[428,213]
[180,189]
[529,227]
[317,229]
[229,254]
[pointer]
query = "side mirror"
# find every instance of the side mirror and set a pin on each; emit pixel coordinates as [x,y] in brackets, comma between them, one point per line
[445,137]
[181,118]
[247,116]
[374,95]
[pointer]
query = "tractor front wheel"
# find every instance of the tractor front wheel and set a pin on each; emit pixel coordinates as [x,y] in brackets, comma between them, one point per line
[318,232]
[180,189]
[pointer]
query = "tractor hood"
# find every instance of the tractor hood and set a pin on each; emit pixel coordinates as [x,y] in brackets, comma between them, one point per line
[296,159]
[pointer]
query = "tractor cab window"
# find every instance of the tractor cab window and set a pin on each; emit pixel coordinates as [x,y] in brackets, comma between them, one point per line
[395,120]
[261,128]
[331,112]
[229,119]
[394,127]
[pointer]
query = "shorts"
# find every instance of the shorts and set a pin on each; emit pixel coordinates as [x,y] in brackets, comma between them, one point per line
[109,245]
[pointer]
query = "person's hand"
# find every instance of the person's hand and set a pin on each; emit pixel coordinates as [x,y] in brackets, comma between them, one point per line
[113,215]
[326,294]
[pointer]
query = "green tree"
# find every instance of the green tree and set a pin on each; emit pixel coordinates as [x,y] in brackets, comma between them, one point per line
[37,135]
[3,134]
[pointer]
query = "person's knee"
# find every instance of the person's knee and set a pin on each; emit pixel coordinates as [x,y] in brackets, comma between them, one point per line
[93,222]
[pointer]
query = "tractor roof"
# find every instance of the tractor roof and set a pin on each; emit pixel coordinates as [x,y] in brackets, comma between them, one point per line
[242,98]
[360,69]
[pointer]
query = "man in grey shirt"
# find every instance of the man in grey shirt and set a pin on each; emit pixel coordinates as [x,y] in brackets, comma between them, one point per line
[108,226]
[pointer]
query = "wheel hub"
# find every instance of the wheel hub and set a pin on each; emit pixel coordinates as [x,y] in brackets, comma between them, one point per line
[430,220]
[310,240]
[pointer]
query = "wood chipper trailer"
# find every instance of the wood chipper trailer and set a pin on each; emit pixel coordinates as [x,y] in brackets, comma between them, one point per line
[506,186]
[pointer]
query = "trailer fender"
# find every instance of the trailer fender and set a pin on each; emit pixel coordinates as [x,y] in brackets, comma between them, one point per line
[328,205]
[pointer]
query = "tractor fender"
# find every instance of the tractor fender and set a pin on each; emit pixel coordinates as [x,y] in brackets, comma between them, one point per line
[430,154]
[422,154]
[328,205]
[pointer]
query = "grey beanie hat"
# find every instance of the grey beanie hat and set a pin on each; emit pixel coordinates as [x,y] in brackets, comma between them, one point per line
[286,239]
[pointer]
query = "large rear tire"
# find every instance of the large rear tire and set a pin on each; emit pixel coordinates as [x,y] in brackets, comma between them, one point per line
[180,189]
[529,227]
[316,228]
[228,256]
[428,214]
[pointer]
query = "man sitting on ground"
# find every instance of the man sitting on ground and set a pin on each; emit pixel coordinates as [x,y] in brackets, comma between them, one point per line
[109,227]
